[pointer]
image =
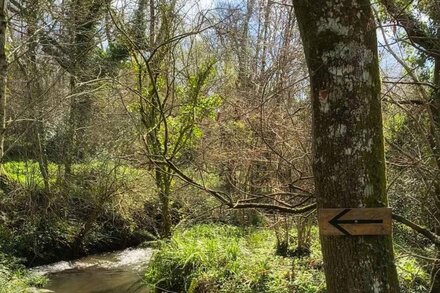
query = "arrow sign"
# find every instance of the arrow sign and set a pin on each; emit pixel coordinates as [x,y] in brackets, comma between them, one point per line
[355,221]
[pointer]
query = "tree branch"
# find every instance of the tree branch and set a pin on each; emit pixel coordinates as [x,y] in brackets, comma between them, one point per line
[434,238]
[418,36]
[267,206]
[227,200]
[428,84]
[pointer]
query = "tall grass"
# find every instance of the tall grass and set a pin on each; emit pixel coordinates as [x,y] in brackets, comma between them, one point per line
[221,258]
[212,258]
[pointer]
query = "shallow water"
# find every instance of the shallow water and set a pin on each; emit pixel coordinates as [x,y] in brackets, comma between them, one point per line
[113,272]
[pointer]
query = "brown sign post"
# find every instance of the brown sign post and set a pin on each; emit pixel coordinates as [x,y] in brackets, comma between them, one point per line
[355,221]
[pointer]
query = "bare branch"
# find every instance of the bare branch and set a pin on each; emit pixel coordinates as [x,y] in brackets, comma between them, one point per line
[227,200]
[418,36]
[434,238]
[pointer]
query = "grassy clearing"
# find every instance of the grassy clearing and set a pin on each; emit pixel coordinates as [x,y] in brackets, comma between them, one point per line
[221,258]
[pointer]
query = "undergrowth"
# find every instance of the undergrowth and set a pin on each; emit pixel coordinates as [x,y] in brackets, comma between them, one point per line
[222,258]
[43,226]
[15,279]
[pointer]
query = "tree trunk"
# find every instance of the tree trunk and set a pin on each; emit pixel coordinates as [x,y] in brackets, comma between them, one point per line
[3,79]
[243,50]
[435,129]
[152,24]
[85,16]
[340,46]
[68,147]
[163,183]
[37,135]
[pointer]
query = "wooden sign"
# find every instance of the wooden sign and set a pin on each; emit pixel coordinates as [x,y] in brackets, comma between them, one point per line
[356,221]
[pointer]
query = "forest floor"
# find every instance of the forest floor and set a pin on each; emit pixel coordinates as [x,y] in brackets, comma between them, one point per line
[223,258]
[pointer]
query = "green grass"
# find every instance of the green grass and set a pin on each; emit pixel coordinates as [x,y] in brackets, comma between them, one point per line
[15,279]
[413,276]
[27,173]
[212,258]
[221,258]
[18,281]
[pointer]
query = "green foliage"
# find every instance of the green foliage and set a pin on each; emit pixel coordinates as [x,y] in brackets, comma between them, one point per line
[193,105]
[116,52]
[27,173]
[213,258]
[413,275]
[393,124]
[221,258]
[418,60]
[42,226]
[15,279]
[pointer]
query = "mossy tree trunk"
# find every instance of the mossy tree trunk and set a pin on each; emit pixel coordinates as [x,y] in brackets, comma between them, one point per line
[340,45]
[85,17]
[152,104]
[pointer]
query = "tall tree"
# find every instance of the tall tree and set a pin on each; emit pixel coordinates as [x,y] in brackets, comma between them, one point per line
[171,92]
[340,46]
[35,132]
[3,76]
[75,50]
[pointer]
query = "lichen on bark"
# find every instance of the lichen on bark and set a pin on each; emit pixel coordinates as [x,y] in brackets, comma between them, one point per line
[349,169]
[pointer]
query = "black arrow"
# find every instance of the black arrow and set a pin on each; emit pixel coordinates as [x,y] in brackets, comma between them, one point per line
[336,222]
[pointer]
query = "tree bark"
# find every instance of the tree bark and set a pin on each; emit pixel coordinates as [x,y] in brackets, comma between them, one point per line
[85,16]
[163,183]
[37,135]
[435,273]
[3,79]
[435,129]
[349,167]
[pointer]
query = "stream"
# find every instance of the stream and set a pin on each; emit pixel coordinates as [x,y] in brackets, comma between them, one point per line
[113,272]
